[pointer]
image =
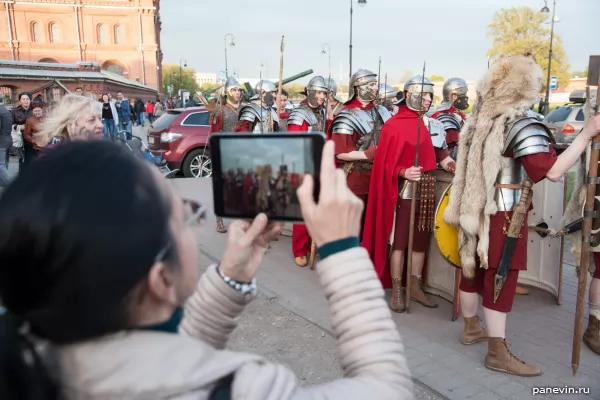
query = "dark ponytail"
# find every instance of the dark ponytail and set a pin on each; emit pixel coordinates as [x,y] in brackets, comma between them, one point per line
[79,231]
[22,373]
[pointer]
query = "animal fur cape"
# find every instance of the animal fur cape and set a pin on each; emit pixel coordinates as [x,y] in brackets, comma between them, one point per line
[574,209]
[505,93]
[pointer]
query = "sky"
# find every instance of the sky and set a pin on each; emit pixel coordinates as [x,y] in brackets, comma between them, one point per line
[249,153]
[449,35]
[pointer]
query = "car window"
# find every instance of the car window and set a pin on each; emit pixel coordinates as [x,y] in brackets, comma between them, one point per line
[199,118]
[580,116]
[559,114]
[165,120]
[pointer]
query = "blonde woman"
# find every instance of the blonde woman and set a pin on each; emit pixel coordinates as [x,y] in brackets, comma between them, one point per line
[75,117]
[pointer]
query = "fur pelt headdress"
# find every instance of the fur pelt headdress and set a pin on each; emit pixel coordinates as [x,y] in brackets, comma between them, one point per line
[506,92]
[574,209]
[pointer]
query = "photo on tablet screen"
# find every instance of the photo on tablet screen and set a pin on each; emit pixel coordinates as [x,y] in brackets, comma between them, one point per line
[262,175]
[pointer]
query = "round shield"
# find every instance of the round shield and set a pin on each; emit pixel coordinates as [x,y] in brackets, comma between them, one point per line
[446,236]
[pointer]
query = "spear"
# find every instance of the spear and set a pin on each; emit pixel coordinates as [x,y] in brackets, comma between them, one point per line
[379,80]
[584,261]
[411,227]
[280,86]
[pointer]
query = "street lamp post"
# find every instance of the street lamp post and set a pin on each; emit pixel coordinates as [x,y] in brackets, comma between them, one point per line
[232,43]
[361,3]
[328,53]
[181,76]
[546,11]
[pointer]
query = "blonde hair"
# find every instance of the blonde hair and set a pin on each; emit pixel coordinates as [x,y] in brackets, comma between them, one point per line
[66,112]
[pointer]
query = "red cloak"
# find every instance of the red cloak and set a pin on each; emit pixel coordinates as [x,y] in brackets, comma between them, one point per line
[396,150]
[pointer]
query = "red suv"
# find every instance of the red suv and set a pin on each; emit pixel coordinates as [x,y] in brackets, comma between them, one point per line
[181,137]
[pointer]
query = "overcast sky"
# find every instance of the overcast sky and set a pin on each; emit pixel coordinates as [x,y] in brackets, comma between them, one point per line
[249,153]
[451,35]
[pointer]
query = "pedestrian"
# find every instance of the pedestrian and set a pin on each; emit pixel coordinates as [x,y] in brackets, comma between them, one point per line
[150,111]
[137,321]
[158,109]
[124,111]
[75,118]
[31,129]
[110,118]
[19,116]
[5,143]
[140,109]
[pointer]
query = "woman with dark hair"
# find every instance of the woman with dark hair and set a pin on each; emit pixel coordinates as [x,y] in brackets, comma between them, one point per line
[94,293]
[19,116]
[31,129]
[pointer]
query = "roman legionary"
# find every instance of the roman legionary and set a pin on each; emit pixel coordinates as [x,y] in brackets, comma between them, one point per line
[309,116]
[591,337]
[450,112]
[503,151]
[335,102]
[225,116]
[387,95]
[355,132]
[390,196]
[258,116]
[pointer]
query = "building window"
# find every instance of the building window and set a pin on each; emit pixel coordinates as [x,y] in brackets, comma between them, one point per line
[112,66]
[7,95]
[36,32]
[118,34]
[55,33]
[102,34]
[49,60]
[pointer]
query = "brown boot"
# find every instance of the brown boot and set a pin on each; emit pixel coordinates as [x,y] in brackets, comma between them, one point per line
[499,358]
[301,261]
[591,337]
[220,226]
[473,331]
[396,299]
[417,294]
[522,291]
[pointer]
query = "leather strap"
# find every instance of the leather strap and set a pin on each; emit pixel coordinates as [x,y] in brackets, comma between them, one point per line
[508,186]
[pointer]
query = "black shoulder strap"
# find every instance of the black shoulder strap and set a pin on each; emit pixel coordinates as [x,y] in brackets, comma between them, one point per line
[223,389]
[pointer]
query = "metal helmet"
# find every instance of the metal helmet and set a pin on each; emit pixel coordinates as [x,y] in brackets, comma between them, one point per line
[387,92]
[231,83]
[459,87]
[314,85]
[332,85]
[265,86]
[358,85]
[412,90]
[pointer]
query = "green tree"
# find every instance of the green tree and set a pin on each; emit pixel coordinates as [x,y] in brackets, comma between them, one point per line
[436,78]
[178,78]
[524,31]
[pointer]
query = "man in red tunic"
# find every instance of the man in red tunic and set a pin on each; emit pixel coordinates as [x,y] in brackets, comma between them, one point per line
[390,193]
[309,116]
[500,145]
[450,112]
[355,132]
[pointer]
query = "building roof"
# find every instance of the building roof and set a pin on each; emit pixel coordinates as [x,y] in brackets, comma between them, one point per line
[52,71]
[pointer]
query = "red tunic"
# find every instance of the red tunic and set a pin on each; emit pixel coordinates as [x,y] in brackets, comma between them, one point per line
[358,181]
[396,150]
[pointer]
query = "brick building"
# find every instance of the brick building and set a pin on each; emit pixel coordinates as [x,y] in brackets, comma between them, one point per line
[122,36]
[53,80]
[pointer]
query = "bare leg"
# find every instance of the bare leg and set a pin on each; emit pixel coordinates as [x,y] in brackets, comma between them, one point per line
[495,322]
[473,332]
[418,260]
[396,265]
[468,304]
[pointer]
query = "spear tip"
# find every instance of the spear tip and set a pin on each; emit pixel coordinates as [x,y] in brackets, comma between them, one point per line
[575,368]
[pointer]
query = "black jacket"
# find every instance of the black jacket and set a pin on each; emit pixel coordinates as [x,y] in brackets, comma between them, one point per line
[5,128]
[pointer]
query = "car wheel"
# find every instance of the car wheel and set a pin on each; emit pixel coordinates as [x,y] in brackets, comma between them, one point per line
[198,164]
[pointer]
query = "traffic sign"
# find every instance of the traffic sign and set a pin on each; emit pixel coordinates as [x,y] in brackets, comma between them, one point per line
[553,83]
